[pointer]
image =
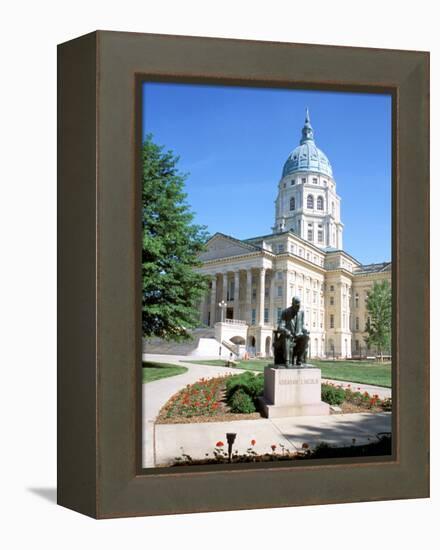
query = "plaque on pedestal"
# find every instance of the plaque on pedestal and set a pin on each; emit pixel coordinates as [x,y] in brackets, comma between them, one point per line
[292,392]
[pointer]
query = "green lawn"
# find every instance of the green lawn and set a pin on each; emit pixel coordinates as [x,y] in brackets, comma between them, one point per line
[155,371]
[365,372]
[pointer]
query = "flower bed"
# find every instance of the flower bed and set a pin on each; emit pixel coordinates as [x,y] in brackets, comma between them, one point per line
[353,399]
[234,397]
[204,401]
[221,455]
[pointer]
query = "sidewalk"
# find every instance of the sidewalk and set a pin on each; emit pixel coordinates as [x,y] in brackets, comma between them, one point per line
[198,439]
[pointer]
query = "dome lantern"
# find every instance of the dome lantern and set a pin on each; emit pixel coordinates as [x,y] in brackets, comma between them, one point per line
[307,157]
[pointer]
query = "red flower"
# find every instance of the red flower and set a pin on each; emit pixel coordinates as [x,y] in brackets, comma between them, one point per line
[219,444]
[273,447]
[253,442]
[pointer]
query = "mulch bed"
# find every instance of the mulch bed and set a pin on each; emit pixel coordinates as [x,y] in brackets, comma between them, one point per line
[226,417]
[207,397]
[210,397]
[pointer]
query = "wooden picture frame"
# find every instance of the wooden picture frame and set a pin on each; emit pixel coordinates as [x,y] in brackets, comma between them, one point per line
[99,337]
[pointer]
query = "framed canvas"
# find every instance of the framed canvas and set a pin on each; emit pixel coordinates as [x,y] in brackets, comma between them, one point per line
[103,434]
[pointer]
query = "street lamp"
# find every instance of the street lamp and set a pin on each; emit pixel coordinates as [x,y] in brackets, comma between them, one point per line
[222,305]
[230,438]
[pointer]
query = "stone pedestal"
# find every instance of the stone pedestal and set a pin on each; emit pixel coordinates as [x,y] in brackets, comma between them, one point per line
[292,392]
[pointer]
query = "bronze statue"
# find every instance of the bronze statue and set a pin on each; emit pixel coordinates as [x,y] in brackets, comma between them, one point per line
[291,339]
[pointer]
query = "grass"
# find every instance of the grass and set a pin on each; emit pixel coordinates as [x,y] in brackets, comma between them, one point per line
[365,372]
[375,374]
[155,371]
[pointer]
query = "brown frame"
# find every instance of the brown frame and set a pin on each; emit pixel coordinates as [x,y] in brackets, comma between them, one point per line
[99,351]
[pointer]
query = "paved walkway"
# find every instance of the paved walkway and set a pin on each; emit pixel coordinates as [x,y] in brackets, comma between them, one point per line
[156,394]
[198,439]
[163,442]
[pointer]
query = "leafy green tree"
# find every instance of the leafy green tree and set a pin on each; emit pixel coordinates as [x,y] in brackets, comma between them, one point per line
[378,324]
[172,243]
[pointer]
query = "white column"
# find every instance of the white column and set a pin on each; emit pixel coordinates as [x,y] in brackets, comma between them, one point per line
[249,295]
[261,297]
[213,300]
[237,295]
[224,287]
[272,319]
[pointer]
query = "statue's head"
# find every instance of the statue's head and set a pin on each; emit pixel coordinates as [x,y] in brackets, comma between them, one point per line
[296,303]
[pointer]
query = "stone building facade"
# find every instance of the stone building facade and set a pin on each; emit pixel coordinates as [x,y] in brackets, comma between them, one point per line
[303,256]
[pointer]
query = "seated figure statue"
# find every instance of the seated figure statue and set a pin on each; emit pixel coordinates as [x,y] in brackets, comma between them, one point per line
[291,339]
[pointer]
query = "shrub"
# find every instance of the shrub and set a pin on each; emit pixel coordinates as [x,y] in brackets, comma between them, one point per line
[332,394]
[248,382]
[241,402]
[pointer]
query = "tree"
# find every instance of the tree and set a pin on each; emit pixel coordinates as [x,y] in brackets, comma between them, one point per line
[172,244]
[378,324]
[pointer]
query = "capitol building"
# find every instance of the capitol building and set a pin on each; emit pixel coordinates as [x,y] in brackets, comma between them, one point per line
[303,255]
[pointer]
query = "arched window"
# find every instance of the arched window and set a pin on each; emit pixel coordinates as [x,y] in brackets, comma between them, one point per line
[333,209]
[320,203]
[292,203]
[310,201]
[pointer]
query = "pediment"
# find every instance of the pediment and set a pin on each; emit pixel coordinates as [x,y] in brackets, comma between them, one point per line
[222,246]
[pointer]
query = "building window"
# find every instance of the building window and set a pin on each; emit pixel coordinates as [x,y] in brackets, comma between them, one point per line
[301,251]
[284,185]
[292,182]
[356,343]
[314,297]
[356,300]
[310,234]
[279,291]
[333,209]
[254,317]
[332,288]
[332,300]
[310,201]
[332,321]
[320,236]
[280,248]
[254,292]
[266,315]
[303,180]
[320,203]
[279,275]
[315,180]
[292,203]
[356,326]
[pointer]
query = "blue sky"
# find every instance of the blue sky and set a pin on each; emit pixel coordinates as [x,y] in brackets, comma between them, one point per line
[234,141]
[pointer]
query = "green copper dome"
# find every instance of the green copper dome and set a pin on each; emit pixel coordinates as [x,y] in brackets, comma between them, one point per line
[307,157]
